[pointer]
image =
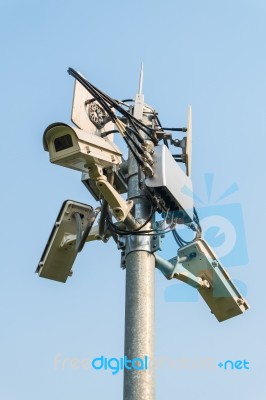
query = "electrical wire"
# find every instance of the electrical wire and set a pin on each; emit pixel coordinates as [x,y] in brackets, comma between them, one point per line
[104,208]
[165,142]
[81,237]
[127,100]
[126,132]
[138,147]
[179,240]
[135,231]
[103,98]
[138,231]
[86,232]
[136,133]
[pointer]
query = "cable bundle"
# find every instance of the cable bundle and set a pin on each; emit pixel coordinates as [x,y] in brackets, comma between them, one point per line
[131,133]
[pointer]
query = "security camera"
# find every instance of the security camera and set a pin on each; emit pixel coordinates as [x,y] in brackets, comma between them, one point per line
[218,290]
[171,185]
[59,254]
[74,148]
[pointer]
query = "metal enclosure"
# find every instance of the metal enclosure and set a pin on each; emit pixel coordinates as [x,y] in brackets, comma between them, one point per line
[171,184]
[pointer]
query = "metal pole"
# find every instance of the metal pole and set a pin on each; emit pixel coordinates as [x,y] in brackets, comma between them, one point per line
[139,308]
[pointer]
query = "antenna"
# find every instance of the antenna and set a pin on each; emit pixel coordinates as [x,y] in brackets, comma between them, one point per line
[139,100]
[141,79]
[188,150]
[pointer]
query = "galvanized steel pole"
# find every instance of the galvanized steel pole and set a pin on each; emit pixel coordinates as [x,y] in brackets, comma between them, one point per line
[139,307]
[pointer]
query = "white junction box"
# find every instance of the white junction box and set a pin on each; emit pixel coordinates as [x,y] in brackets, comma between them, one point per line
[171,184]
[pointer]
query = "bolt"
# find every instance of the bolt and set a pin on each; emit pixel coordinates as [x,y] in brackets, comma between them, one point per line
[206,283]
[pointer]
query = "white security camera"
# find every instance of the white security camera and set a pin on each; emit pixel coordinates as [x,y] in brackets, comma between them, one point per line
[74,148]
[59,254]
[219,292]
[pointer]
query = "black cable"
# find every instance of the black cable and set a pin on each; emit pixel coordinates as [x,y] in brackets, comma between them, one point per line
[138,147]
[86,233]
[125,113]
[101,97]
[136,122]
[177,239]
[127,100]
[102,219]
[98,98]
[136,133]
[81,237]
[94,91]
[104,209]
[150,232]
[137,157]
[165,141]
[196,219]
[135,231]
[196,214]
[175,129]
[109,132]
[181,242]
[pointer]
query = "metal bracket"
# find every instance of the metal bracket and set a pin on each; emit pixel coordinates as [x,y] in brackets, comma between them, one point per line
[171,270]
[142,243]
[120,207]
[70,239]
[184,275]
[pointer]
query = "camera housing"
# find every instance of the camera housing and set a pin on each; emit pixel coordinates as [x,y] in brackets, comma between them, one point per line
[74,148]
[221,295]
[58,257]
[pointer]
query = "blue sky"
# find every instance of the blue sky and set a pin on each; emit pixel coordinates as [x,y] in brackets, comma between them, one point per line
[210,54]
